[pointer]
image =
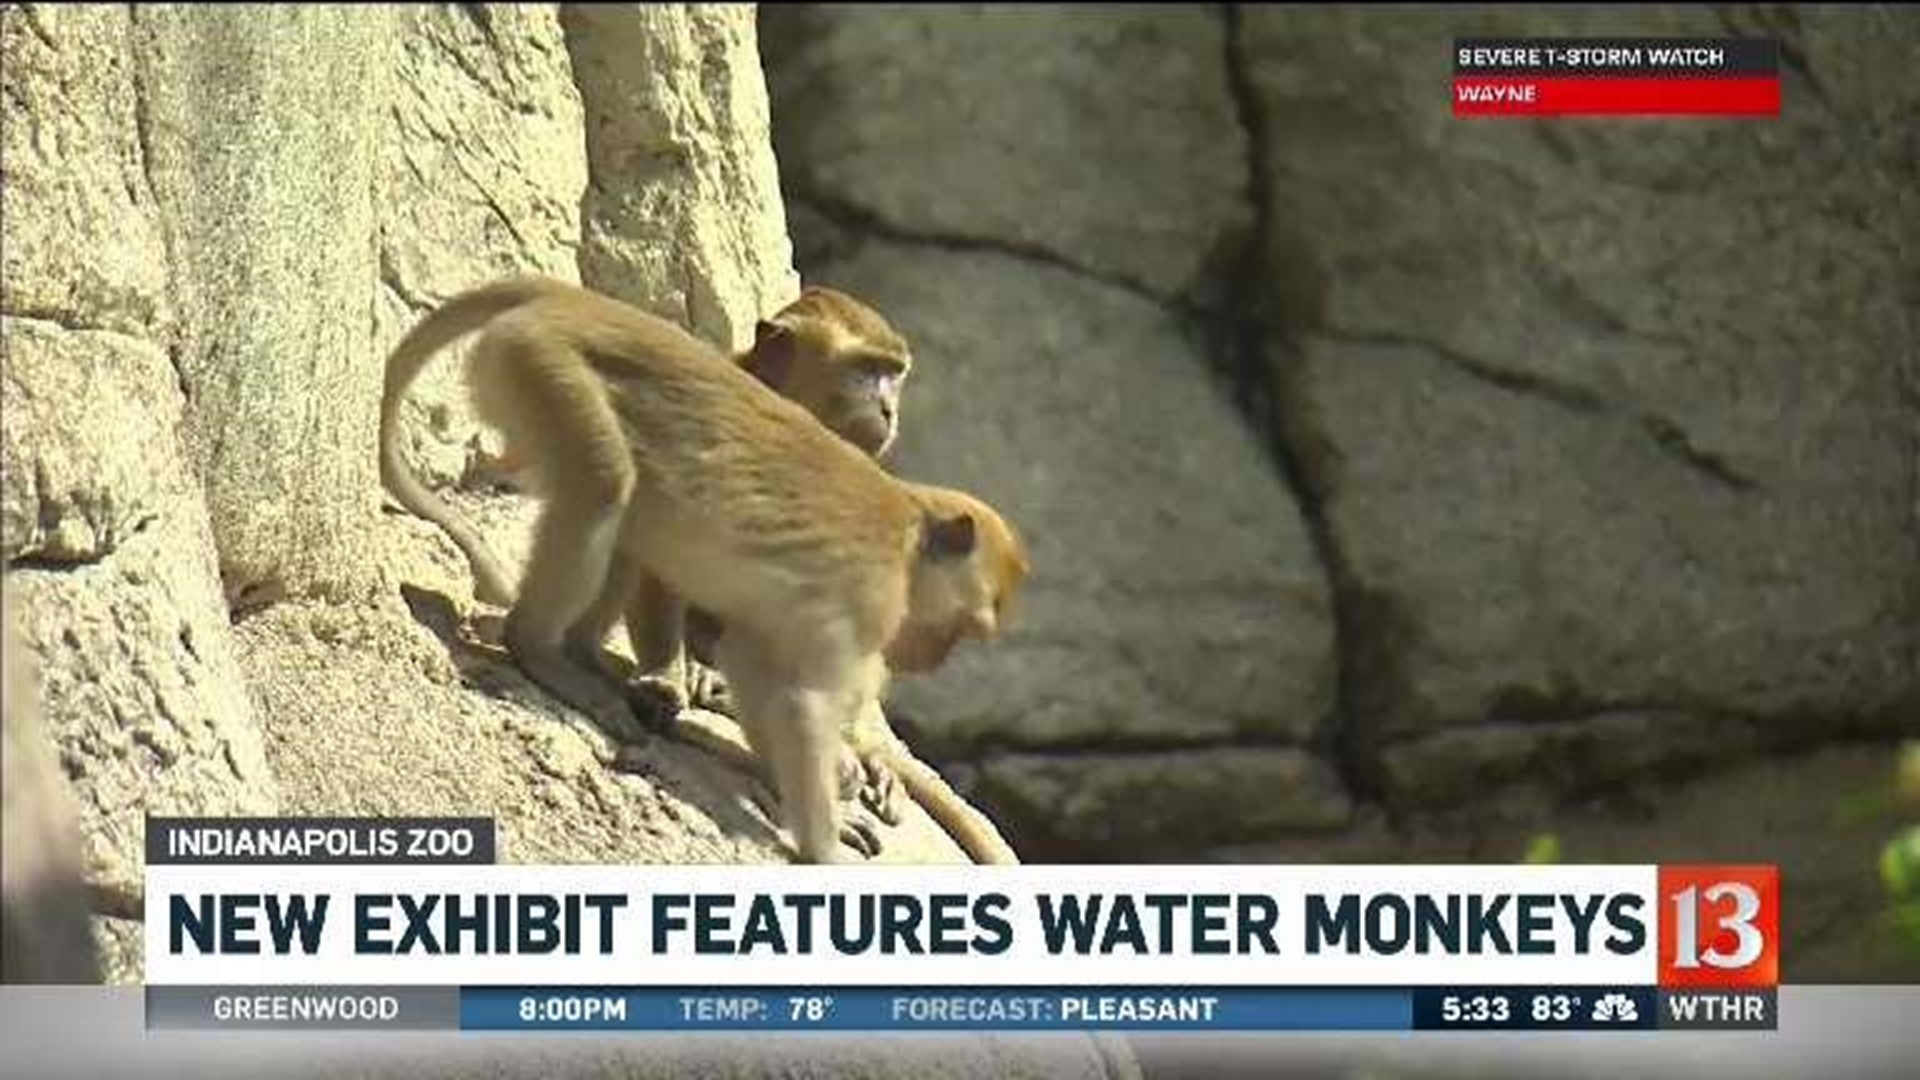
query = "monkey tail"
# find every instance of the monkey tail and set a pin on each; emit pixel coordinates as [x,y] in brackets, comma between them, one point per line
[968,827]
[453,320]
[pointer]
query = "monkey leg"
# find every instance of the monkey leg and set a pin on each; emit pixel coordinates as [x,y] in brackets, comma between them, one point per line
[795,729]
[859,830]
[586,638]
[804,759]
[656,627]
[573,552]
[706,687]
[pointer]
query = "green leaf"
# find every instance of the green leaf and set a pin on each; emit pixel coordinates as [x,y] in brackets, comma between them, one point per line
[1543,849]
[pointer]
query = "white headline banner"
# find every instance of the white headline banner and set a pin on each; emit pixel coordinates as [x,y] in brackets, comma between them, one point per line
[895,926]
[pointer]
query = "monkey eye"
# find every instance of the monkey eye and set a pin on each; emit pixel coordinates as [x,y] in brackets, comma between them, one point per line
[880,365]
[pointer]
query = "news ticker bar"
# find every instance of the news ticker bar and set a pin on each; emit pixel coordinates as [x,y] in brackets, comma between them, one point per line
[898,1009]
[1670,77]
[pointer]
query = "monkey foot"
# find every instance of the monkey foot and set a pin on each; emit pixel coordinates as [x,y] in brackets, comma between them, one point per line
[707,689]
[880,790]
[656,702]
[489,628]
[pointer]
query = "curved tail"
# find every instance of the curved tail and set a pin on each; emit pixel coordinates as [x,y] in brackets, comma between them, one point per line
[453,320]
[968,827]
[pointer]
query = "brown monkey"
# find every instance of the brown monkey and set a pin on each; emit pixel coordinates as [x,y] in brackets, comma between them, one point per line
[842,362]
[838,358]
[655,457]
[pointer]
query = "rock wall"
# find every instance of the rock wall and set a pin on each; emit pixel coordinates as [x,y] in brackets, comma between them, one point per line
[1396,485]
[1015,217]
[1395,481]
[215,225]
[264,189]
[1644,490]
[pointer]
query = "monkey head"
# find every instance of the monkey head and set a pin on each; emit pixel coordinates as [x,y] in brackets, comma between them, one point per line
[840,361]
[969,567]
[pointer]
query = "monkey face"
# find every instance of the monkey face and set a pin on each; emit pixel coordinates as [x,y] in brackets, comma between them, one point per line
[919,649]
[923,646]
[970,565]
[844,367]
[868,411]
[859,397]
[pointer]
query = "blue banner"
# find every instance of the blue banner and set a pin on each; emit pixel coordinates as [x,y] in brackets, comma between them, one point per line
[865,1008]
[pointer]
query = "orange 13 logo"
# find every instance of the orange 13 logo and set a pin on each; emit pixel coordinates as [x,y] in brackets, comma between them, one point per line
[1720,926]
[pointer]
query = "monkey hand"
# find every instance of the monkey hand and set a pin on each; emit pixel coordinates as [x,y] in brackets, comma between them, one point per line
[862,834]
[868,776]
[657,701]
[707,689]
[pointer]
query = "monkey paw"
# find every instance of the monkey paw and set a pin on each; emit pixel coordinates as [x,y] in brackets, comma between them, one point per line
[489,628]
[869,778]
[848,777]
[880,788]
[656,701]
[707,689]
[862,834]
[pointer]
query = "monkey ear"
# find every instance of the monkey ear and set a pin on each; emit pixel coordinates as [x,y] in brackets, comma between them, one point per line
[948,538]
[771,358]
[767,328]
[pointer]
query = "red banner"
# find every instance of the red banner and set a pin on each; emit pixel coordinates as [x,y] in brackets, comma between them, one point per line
[1523,95]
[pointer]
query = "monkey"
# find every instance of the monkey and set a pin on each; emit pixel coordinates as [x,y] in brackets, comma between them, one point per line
[653,457]
[844,363]
[878,765]
[841,361]
[46,933]
[838,359]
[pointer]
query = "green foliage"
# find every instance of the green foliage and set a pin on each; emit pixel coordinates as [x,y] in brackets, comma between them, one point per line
[1542,850]
[1900,858]
[1904,920]
[1863,808]
[1906,773]
[1900,865]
